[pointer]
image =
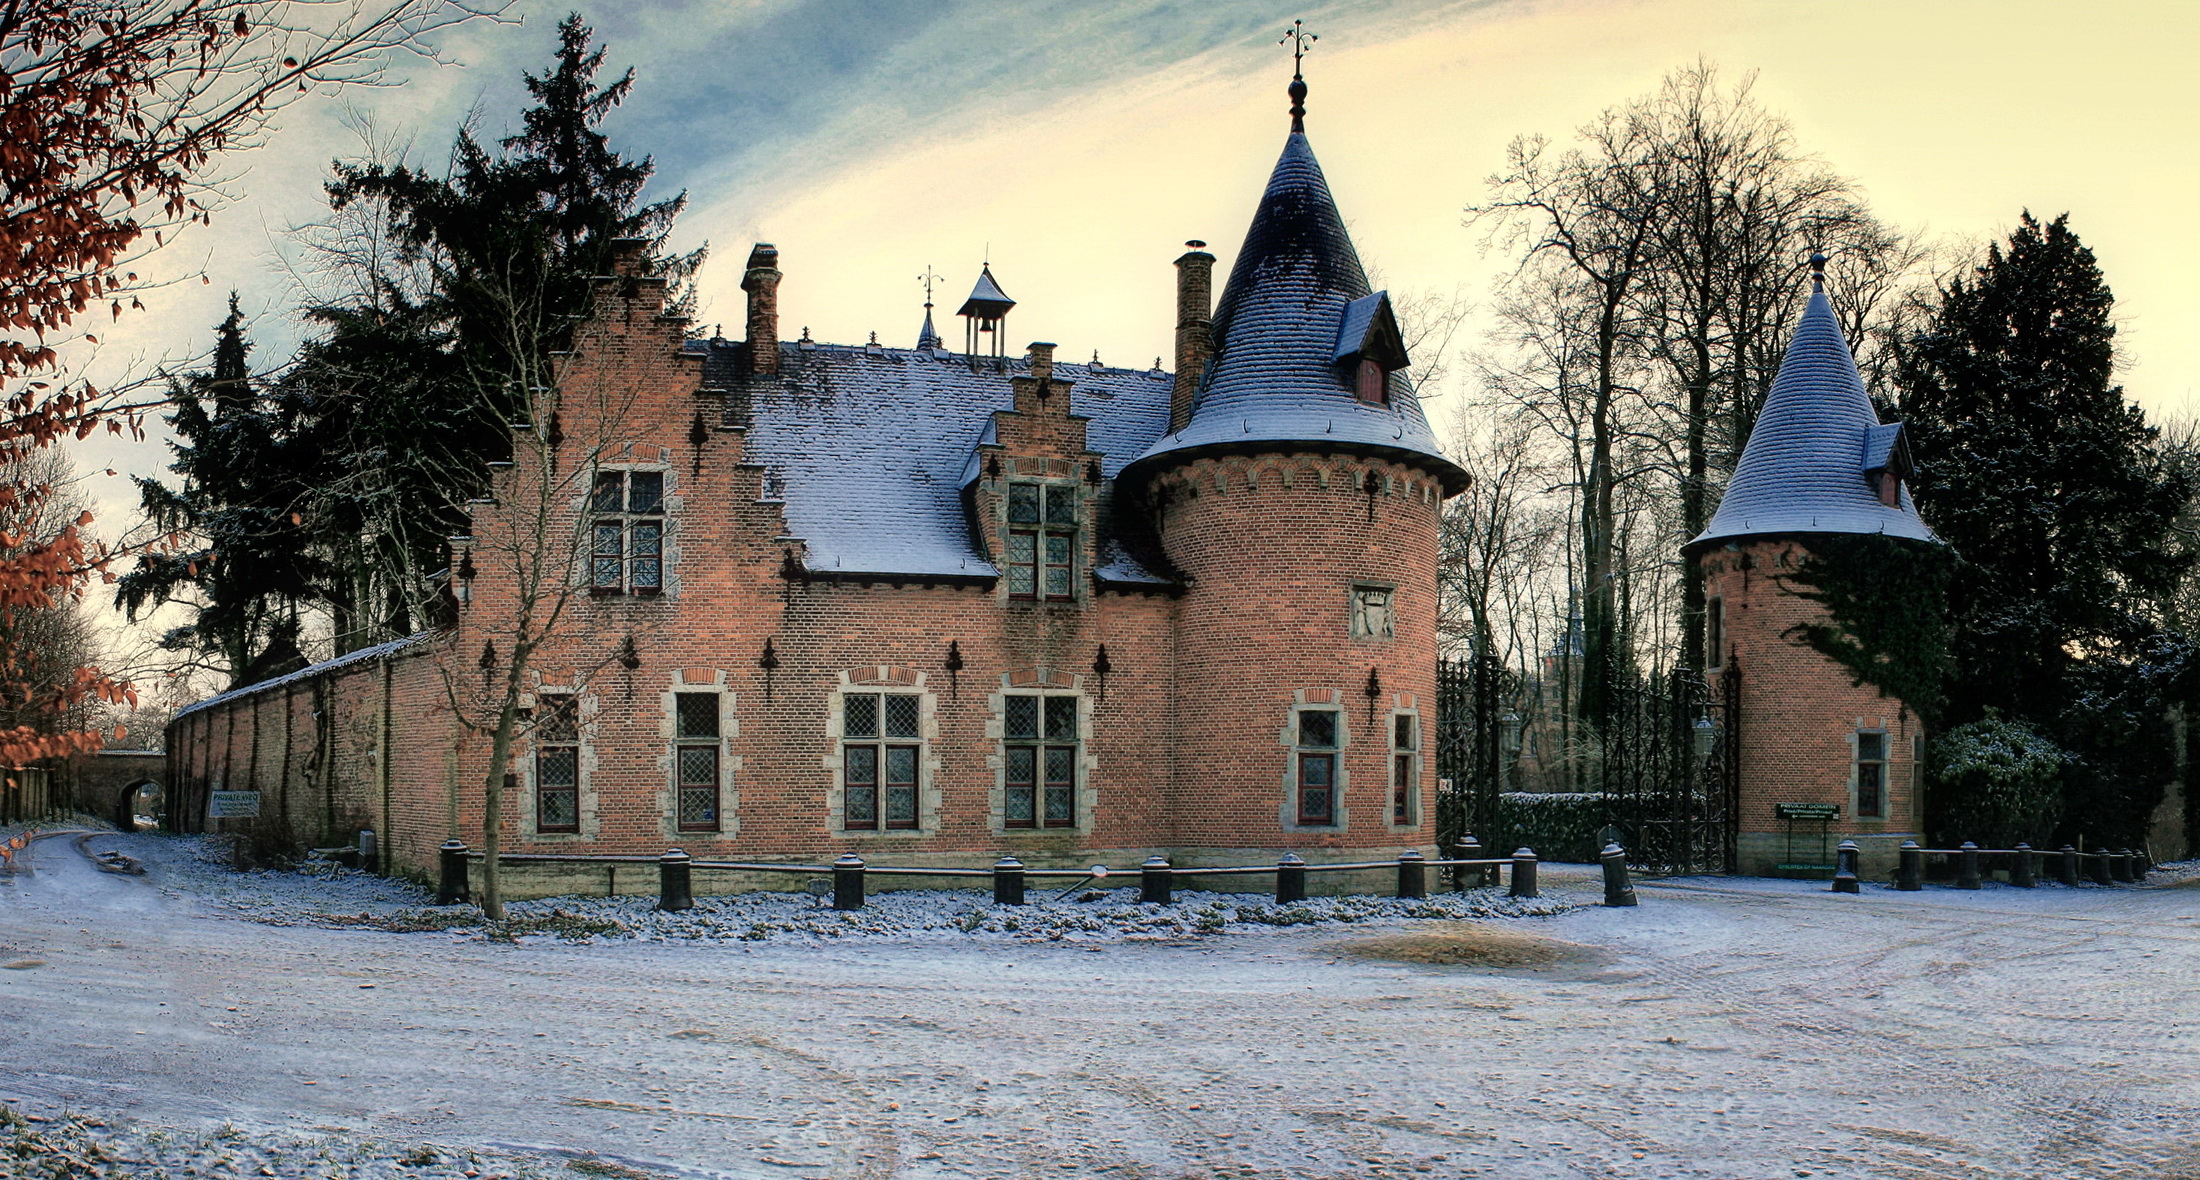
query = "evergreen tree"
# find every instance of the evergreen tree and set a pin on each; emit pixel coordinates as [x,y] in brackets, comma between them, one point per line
[2051,489]
[245,478]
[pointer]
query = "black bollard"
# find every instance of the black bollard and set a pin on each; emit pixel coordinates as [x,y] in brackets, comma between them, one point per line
[2021,870]
[2119,865]
[2067,870]
[1967,875]
[1290,879]
[1472,850]
[1909,872]
[1156,881]
[2100,868]
[2141,864]
[1008,881]
[1524,874]
[1412,874]
[1618,890]
[452,888]
[1844,868]
[674,892]
[848,882]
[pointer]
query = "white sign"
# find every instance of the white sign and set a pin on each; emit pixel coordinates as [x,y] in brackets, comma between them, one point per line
[233,805]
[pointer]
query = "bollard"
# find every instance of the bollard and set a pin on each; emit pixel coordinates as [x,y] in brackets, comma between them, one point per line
[2020,871]
[2119,865]
[1618,890]
[1412,874]
[2141,864]
[1155,881]
[1909,872]
[673,889]
[1524,873]
[1967,876]
[452,888]
[1472,850]
[848,882]
[2100,867]
[2067,870]
[1844,868]
[1290,879]
[1008,881]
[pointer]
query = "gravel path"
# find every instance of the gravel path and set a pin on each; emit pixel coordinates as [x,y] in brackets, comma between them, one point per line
[1720,1030]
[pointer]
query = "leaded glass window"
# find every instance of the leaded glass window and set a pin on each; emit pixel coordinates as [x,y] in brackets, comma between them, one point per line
[1041,550]
[1039,742]
[881,756]
[626,553]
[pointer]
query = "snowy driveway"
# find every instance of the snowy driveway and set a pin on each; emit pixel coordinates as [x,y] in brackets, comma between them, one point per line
[1758,1029]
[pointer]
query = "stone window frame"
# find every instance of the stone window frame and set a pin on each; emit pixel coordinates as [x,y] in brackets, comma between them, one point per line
[1041,682]
[1307,700]
[699,681]
[1857,762]
[665,518]
[586,805]
[1360,586]
[1411,758]
[1039,531]
[882,679]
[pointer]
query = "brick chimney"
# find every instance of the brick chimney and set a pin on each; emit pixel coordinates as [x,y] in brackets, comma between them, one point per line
[1195,329]
[1042,364]
[762,284]
[629,256]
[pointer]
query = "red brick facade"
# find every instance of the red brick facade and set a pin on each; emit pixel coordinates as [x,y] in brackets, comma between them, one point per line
[1806,728]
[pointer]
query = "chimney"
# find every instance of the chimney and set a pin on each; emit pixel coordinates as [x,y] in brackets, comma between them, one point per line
[629,257]
[1195,328]
[1042,364]
[762,284]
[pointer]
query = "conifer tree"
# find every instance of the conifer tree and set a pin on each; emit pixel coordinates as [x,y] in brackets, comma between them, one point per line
[2050,487]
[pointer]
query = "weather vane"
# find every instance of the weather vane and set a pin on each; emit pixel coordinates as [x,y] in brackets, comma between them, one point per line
[1301,42]
[928,278]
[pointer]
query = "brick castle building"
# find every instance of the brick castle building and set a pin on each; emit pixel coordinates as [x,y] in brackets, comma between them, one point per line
[1813,742]
[929,606]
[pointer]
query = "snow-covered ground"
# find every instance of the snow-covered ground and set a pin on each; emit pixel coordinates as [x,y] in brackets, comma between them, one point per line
[1722,1029]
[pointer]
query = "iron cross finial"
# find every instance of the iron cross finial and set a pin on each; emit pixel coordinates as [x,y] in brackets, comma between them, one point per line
[1300,42]
[928,279]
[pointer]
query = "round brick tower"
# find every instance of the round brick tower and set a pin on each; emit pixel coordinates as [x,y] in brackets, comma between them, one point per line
[1821,757]
[1298,494]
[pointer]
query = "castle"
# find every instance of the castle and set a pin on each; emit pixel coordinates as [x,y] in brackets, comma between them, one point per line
[931,606]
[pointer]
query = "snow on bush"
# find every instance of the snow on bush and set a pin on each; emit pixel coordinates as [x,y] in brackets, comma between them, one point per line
[1998,782]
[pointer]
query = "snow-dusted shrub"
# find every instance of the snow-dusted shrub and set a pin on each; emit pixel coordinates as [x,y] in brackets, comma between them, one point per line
[1562,826]
[1996,781]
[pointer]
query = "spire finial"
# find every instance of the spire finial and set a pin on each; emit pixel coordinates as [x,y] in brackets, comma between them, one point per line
[1300,42]
[1817,271]
[928,279]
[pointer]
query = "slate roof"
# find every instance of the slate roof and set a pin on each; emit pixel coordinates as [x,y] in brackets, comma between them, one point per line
[872,448]
[1802,470]
[1272,379]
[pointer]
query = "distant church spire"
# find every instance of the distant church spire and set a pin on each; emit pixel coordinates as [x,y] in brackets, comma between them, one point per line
[1300,42]
[928,337]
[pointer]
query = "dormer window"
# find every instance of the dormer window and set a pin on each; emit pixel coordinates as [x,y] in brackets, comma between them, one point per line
[1042,542]
[1369,347]
[1886,462]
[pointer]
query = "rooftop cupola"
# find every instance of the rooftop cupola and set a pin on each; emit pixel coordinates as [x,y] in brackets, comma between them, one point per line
[1818,460]
[1304,356]
[984,312]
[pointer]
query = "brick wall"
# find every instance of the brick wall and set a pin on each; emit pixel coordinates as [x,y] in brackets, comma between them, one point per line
[1801,714]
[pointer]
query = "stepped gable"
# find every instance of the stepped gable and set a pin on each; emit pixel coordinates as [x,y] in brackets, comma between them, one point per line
[1804,469]
[869,447]
[1275,381]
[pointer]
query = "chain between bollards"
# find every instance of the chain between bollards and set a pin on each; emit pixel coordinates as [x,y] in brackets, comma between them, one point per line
[1618,890]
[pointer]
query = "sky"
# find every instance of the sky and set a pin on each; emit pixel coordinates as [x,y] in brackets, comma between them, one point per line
[1079,143]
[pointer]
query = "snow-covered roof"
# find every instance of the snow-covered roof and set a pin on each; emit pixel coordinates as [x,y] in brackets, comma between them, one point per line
[1802,470]
[987,300]
[873,448]
[1274,377]
[307,673]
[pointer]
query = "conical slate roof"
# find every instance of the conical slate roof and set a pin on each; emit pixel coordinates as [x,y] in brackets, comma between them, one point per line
[987,300]
[1803,469]
[1275,381]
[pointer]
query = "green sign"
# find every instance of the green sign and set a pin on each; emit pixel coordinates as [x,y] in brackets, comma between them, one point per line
[1806,810]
